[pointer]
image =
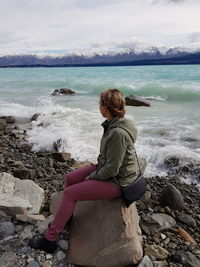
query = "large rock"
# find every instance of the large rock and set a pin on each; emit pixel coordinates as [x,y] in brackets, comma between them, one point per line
[104,233]
[175,201]
[19,196]
[136,101]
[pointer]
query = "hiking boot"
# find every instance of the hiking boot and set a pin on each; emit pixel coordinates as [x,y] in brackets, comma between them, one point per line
[43,244]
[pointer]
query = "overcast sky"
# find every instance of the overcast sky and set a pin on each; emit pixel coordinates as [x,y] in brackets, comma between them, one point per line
[31,26]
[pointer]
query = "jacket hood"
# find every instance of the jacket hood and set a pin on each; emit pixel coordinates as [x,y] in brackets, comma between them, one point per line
[123,123]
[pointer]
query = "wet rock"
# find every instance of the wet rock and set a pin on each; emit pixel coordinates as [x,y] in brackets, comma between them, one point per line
[8,259]
[171,161]
[24,173]
[145,262]
[175,201]
[9,119]
[154,223]
[65,91]
[136,101]
[186,258]
[35,116]
[59,145]
[187,219]
[19,196]
[156,251]
[114,226]
[62,157]
[6,229]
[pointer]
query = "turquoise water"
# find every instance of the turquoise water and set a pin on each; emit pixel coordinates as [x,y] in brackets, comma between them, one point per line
[164,128]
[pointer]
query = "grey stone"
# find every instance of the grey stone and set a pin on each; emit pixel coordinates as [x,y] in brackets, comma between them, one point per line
[8,259]
[187,219]
[19,196]
[42,226]
[63,244]
[145,262]
[60,255]
[187,259]
[6,229]
[33,264]
[175,201]
[154,223]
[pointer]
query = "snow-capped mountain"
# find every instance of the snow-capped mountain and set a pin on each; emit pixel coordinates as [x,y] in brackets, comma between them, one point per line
[148,56]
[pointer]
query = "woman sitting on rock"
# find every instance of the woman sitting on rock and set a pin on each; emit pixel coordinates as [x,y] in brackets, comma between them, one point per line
[117,165]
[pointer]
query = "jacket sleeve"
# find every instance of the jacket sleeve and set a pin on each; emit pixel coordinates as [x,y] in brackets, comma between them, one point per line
[116,149]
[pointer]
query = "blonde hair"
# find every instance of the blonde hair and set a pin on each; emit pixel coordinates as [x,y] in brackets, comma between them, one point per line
[113,99]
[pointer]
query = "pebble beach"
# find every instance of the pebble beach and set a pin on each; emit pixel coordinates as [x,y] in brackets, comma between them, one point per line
[177,245]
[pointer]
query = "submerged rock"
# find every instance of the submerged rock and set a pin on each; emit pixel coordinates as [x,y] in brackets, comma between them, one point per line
[65,91]
[35,116]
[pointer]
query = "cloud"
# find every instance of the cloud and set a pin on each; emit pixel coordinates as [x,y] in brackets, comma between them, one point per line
[195,38]
[77,25]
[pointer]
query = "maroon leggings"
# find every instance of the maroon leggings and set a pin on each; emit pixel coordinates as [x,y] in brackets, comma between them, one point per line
[78,189]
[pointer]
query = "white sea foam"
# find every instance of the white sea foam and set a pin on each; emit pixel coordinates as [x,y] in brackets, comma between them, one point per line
[80,131]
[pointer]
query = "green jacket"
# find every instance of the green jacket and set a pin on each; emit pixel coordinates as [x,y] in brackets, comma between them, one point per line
[117,162]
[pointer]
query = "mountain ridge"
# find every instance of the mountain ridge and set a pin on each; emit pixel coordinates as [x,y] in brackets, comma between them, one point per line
[151,57]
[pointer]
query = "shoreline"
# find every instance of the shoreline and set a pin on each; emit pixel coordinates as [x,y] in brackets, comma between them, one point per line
[15,153]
